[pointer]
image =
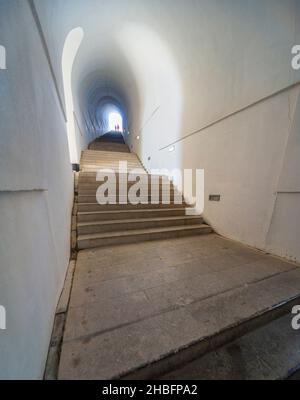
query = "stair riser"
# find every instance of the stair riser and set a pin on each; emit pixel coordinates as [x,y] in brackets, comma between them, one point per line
[106,166]
[94,186]
[93,174]
[117,158]
[85,230]
[92,152]
[96,168]
[107,148]
[165,191]
[107,163]
[90,181]
[110,148]
[91,243]
[133,215]
[110,157]
[201,347]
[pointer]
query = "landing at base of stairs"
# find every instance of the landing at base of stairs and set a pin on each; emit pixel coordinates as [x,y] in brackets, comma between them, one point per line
[139,310]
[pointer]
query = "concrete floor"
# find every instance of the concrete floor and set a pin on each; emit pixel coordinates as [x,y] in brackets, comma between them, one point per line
[134,304]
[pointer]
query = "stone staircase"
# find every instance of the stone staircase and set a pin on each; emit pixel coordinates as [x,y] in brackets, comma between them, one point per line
[100,225]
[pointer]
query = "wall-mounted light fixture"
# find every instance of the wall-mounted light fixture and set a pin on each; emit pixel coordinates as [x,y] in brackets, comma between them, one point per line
[2,57]
[137,138]
[172,148]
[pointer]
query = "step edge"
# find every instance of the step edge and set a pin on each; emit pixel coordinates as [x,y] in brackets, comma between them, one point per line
[137,232]
[139,220]
[174,359]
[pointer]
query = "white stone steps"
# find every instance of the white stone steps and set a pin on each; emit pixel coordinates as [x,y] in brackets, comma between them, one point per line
[148,221]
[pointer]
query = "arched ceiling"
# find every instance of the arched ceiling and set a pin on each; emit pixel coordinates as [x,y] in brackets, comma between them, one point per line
[174,66]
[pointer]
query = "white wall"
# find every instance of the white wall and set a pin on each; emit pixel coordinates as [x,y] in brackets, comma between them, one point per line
[36,192]
[233,59]
[284,230]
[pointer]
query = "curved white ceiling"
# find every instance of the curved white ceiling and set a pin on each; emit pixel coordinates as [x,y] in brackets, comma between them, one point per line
[175,66]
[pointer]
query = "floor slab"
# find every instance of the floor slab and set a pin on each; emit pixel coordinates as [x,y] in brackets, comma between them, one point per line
[134,304]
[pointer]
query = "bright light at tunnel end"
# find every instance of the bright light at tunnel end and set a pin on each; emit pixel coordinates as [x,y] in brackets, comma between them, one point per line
[115,121]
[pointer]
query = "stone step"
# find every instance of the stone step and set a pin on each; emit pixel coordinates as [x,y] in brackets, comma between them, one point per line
[230,332]
[91,198]
[90,177]
[85,228]
[95,168]
[120,148]
[108,153]
[90,207]
[268,353]
[109,159]
[88,185]
[107,164]
[92,216]
[144,191]
[122,237]
[93,174]
[101,155]
[110,162]
[109,148]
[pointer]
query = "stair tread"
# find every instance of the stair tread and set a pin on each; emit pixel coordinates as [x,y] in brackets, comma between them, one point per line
[140,220]
[126,211]
[141,231]
[106,152]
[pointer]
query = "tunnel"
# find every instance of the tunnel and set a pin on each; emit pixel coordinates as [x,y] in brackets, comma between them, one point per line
[204,85]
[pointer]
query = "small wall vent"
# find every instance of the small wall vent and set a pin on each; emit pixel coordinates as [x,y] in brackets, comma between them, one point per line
[214,197]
